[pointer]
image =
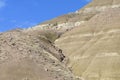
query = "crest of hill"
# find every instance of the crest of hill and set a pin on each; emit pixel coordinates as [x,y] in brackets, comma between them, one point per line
[67,22]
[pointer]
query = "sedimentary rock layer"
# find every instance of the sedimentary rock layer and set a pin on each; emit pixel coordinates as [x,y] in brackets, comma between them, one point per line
[94,47]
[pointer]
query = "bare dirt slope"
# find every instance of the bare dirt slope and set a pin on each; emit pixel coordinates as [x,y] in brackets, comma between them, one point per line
[94,47]
[88,46]
[29,56]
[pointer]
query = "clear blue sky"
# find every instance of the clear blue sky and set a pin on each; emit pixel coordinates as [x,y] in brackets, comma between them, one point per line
[27,13]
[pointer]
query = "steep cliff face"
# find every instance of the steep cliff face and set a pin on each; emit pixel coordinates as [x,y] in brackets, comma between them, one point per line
[93,47]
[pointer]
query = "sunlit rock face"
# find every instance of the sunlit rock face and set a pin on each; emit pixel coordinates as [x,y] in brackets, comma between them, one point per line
[93,48]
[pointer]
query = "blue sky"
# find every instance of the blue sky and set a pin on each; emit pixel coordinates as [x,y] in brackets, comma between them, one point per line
[27,13]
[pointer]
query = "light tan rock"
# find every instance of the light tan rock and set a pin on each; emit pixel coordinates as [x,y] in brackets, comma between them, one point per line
[94,47]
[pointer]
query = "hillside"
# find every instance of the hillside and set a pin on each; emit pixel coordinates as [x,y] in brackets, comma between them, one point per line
[93,47]
[83,45]
[29,56]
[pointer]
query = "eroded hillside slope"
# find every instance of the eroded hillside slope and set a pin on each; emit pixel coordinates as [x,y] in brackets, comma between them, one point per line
[88,44]
[93,48]
[29,56]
